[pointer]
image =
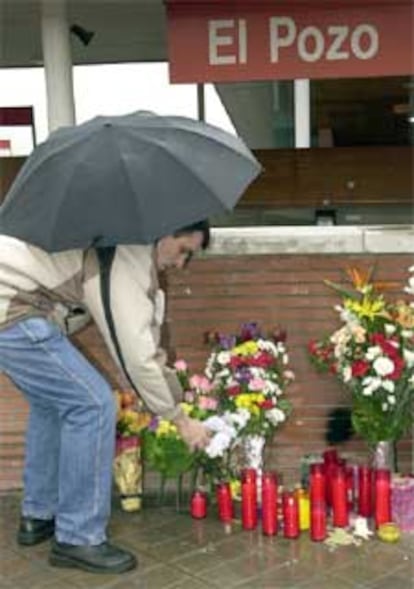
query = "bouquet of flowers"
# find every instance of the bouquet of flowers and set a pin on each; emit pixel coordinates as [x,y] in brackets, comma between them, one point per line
[166,452]
[372,355]
[131,421]
[250,372]
[240,393]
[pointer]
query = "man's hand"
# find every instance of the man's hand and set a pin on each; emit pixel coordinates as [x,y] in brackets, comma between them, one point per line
[193,432]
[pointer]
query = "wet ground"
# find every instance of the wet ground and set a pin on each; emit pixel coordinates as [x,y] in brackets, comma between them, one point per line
[177,552]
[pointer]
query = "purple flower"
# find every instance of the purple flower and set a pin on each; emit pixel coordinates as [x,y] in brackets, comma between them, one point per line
[243,375]
[153,425]
[227,342]
[249,331]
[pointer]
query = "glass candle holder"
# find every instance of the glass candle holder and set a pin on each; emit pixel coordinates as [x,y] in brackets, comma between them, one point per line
[198,505]
[382,496]
[339,498]
[290,515]
[269,504]
[224,502]
[249,499]
[364,491]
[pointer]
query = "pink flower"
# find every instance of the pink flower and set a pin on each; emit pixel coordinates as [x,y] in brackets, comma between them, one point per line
[181,366]
[206,403]
[257,384]
[189,396]
[201,383]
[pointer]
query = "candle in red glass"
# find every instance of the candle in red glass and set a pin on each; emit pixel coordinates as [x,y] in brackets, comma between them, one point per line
[339,498]
[349,478]
[330,456]
[382,510]
[317,482]
[330,460]
[224,502]
[365,491]
[269,504]
[318,521]
[290,515]
[198,505]
[249,499]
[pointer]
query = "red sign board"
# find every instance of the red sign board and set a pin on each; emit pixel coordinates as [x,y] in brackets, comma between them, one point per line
[16,115]
[228,41]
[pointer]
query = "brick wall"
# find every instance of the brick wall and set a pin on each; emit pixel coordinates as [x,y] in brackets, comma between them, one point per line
[219,293]
[286,290]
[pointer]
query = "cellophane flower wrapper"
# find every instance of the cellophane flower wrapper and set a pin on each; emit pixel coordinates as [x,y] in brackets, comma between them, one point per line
[127,466]
[127,470]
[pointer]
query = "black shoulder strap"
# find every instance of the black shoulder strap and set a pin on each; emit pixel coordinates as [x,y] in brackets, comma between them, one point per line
[106,257]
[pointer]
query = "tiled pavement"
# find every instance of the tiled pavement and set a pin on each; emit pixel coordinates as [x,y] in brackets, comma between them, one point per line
[177,552]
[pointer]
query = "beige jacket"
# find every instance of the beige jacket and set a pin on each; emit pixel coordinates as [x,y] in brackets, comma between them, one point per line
[36,283]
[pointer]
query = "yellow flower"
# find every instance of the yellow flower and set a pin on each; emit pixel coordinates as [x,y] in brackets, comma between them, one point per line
[165,428]
[246,349]
[186,407]
[235,488]
[405,315]
[250,401]
[366,308]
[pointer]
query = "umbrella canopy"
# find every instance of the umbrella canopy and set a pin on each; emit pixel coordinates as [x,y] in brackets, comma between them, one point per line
[125,179]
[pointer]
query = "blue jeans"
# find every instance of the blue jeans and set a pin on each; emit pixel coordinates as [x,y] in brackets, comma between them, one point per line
[71,430]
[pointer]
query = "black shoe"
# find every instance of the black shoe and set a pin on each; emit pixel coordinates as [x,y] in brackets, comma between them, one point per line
[33,531]
[104,558]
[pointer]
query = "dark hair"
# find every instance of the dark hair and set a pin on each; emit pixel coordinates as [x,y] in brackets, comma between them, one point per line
[201,226]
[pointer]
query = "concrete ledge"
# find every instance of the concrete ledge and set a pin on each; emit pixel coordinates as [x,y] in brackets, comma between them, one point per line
[312,240]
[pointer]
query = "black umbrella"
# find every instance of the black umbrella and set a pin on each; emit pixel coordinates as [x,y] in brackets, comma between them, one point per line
[125,179]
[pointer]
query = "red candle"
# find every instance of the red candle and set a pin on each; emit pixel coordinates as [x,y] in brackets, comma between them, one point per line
[365,491]
[198,505]
[224,502]
[269,504]
[339,498]
[249,499]
[317,482]
[318,521]
[350,481]
[382,511]
[330,460]
[290,515]
[330,456]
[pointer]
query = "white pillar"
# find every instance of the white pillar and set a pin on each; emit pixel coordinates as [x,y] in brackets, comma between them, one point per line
[302,113]
[58,64]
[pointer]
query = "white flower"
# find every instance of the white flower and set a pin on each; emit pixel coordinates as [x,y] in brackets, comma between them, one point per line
[407,333]
[218,444]
[390,329]
[347,373]
[239,418]
[391,399]
[223,358]
[410,287]
[373,352]
[289,374]
[384,406]
[223,436]
[222,374]
[383,366]
[388,385]
[408,356]
[370,385]
[275,416]
[268,346]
